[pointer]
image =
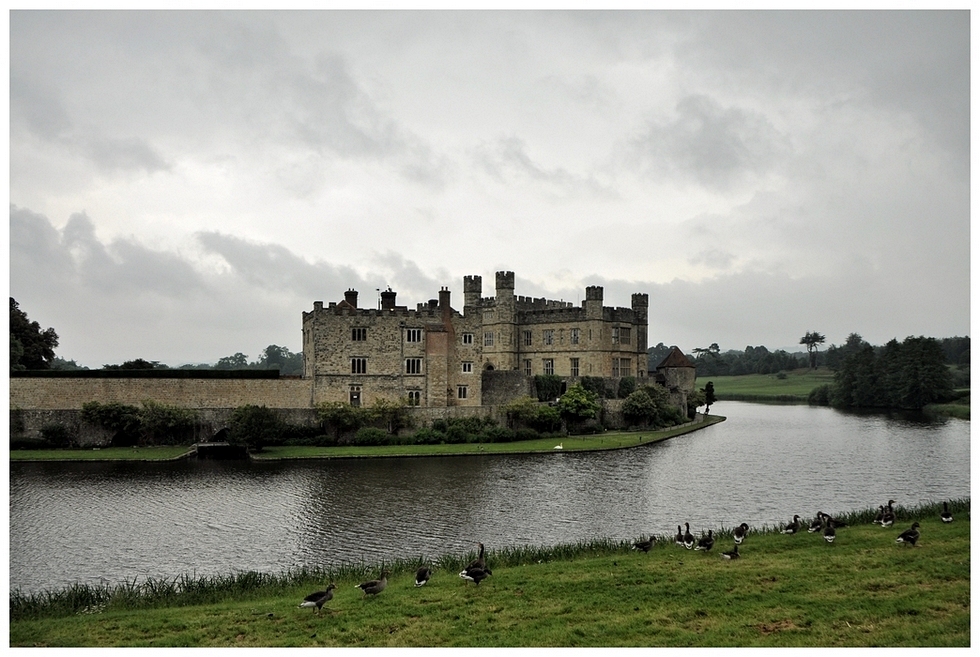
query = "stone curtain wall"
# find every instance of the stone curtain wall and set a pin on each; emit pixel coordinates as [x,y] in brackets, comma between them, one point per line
[42,393]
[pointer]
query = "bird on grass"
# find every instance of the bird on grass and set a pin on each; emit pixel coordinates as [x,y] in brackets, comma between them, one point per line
[643,546]
[559,446]
[688,536]
[476,575]
[946,515]
[480,561]
[731,554]
[740,532]
[375,586]
[706,542]
[792,527]
[829,533]
[888,517]
[317,599]
[422,576]
[679,538]
[816,523]
[910,535]
[879,516]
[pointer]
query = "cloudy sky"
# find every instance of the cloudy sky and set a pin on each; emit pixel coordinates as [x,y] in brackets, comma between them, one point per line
[183,185]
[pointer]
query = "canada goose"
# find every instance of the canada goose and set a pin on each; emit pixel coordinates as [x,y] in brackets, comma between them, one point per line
[879,516]
[910,535]
[476,575]
[732,554]
[946,515]
[559,446]
[679,538]
[317,599]
[816,523]
[375,586]
[792,527]
[888,517]
[479,562]
[688,536]
[706,542]
[829,533]
[740,533]
[836,522]
[643,546]
[422,576]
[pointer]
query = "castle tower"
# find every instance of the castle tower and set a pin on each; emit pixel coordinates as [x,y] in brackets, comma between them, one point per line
[472,291]
[641,302]
[593,302]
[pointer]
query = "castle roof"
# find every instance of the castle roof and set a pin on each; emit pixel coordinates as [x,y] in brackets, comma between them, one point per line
[675,358]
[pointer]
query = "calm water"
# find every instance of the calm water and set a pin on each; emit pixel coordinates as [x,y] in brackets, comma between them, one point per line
[91,523]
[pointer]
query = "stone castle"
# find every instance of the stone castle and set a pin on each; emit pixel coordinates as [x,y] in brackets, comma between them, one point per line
[436,356]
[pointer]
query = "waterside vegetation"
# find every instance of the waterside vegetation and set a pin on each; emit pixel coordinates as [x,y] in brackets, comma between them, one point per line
[862,590]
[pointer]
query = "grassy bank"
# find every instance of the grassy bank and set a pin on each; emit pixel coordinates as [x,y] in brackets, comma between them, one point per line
[768,387]
[862,590]
[608,440]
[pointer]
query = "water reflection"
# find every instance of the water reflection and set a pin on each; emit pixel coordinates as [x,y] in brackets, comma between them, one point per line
[118,521]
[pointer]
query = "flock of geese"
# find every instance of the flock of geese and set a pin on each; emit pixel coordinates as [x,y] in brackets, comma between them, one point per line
[477,571]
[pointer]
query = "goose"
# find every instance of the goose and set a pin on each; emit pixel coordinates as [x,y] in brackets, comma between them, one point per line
[317,599]
[946,515]
[732,554]
[688,536]
[740,533]
[422,576]
[479,562]
[792,527]
[559,446]
[836,522]
[879,516]
[706,542]
[643,546]
[817,523]
[476,575]
[910,535]
[375,586]
[888,517]
[679,538]
[829,533]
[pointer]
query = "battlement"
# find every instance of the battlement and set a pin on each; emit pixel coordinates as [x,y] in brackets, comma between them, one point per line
[505,280]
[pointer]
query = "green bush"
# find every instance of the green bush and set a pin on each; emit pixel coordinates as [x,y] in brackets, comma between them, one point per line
[639,408]
[579,404]
[627,385]
[596,384]
[429,436]
[255,426]
[548,386]
[820,396]
[121,419]
[56,435]
[162,424]
[371,436]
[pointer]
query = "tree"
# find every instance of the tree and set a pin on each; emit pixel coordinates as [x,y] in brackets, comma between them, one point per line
[137,364]
[709,396]
[237,362]
[30,347]
[811,340]
[579,404]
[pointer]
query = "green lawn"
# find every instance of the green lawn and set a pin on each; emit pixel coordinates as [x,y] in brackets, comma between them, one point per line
[784,591]
[161,453]
[762,387]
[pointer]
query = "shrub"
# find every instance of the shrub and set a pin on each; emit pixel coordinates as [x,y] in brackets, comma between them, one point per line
[371,436]
[56,435]
[639,408]
[121,419]
[548,386]
[627,385]
[596,384]
[254,426]
[820,396]
[579,404]
[341,417]
[162,424]
[429,436]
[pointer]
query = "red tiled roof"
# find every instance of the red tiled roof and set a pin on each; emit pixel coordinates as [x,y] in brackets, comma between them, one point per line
[675,358]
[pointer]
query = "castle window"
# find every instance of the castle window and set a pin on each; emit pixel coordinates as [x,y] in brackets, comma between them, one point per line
[488,315]
[626,367]
[527,367]
[467,367]
[413,366]
[460,392]
[573,366]
[413,335]
[358,365]
[549,366]
[615,336]
[527,338]
[624,335]
[549,336]
[488,339]
[355,396]
[358,334]
[467,338]
[573,336]
[414,397]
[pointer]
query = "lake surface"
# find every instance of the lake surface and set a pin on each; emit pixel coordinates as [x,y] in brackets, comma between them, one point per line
[112,522]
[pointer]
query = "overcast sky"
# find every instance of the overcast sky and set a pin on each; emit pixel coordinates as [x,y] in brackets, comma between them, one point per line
[183,185]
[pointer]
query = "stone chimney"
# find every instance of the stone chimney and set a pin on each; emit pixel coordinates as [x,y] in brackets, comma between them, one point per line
[387,300]
[350,296]
[444,306]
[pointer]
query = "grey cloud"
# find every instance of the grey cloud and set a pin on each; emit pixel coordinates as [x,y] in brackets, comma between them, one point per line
[124,154]
[715,145]
[714,258]
[507,161]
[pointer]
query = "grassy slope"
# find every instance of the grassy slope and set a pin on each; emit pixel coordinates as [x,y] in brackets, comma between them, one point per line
[747,387]
[161,453]
[863,590]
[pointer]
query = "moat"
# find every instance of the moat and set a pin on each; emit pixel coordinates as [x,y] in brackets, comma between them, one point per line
[98,522]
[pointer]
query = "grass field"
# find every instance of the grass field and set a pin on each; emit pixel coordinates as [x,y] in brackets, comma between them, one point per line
[862,590]
[161,453]
[767,387]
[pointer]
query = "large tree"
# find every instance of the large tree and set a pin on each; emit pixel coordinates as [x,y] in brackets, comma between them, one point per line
[812,339]
[30,347]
